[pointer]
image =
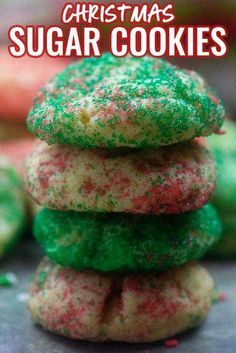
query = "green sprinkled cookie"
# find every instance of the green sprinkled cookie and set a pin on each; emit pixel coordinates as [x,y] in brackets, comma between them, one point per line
[167,180]
[131,308]
[12,206]
[110,102]
[124,243]
[224,198]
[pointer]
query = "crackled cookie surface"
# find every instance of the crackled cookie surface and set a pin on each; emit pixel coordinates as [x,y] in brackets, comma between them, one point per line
[124,243]
[172,179]
[135,308]
[111,102]
[12,206]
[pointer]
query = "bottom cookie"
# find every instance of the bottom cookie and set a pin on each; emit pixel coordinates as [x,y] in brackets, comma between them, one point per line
[136,308]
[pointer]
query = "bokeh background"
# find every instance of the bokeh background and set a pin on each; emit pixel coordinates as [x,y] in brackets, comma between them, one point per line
[221,73]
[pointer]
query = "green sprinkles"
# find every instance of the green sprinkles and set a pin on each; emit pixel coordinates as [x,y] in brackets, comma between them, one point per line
[107,103]
[110,102]
[119,242]
[8,280]
[42,277]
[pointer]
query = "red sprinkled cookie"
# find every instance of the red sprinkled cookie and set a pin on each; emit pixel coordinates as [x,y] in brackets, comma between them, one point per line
[172,179]
[135,308]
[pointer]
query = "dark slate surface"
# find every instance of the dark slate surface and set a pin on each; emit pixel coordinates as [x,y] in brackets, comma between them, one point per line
[18,334]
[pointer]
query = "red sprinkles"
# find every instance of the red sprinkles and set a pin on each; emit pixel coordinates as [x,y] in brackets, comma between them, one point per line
[171,343]
[222,296]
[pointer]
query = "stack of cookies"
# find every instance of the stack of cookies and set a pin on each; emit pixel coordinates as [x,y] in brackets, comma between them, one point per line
[124,186]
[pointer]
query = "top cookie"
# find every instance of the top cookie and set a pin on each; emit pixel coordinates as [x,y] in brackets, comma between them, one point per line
[110,102]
